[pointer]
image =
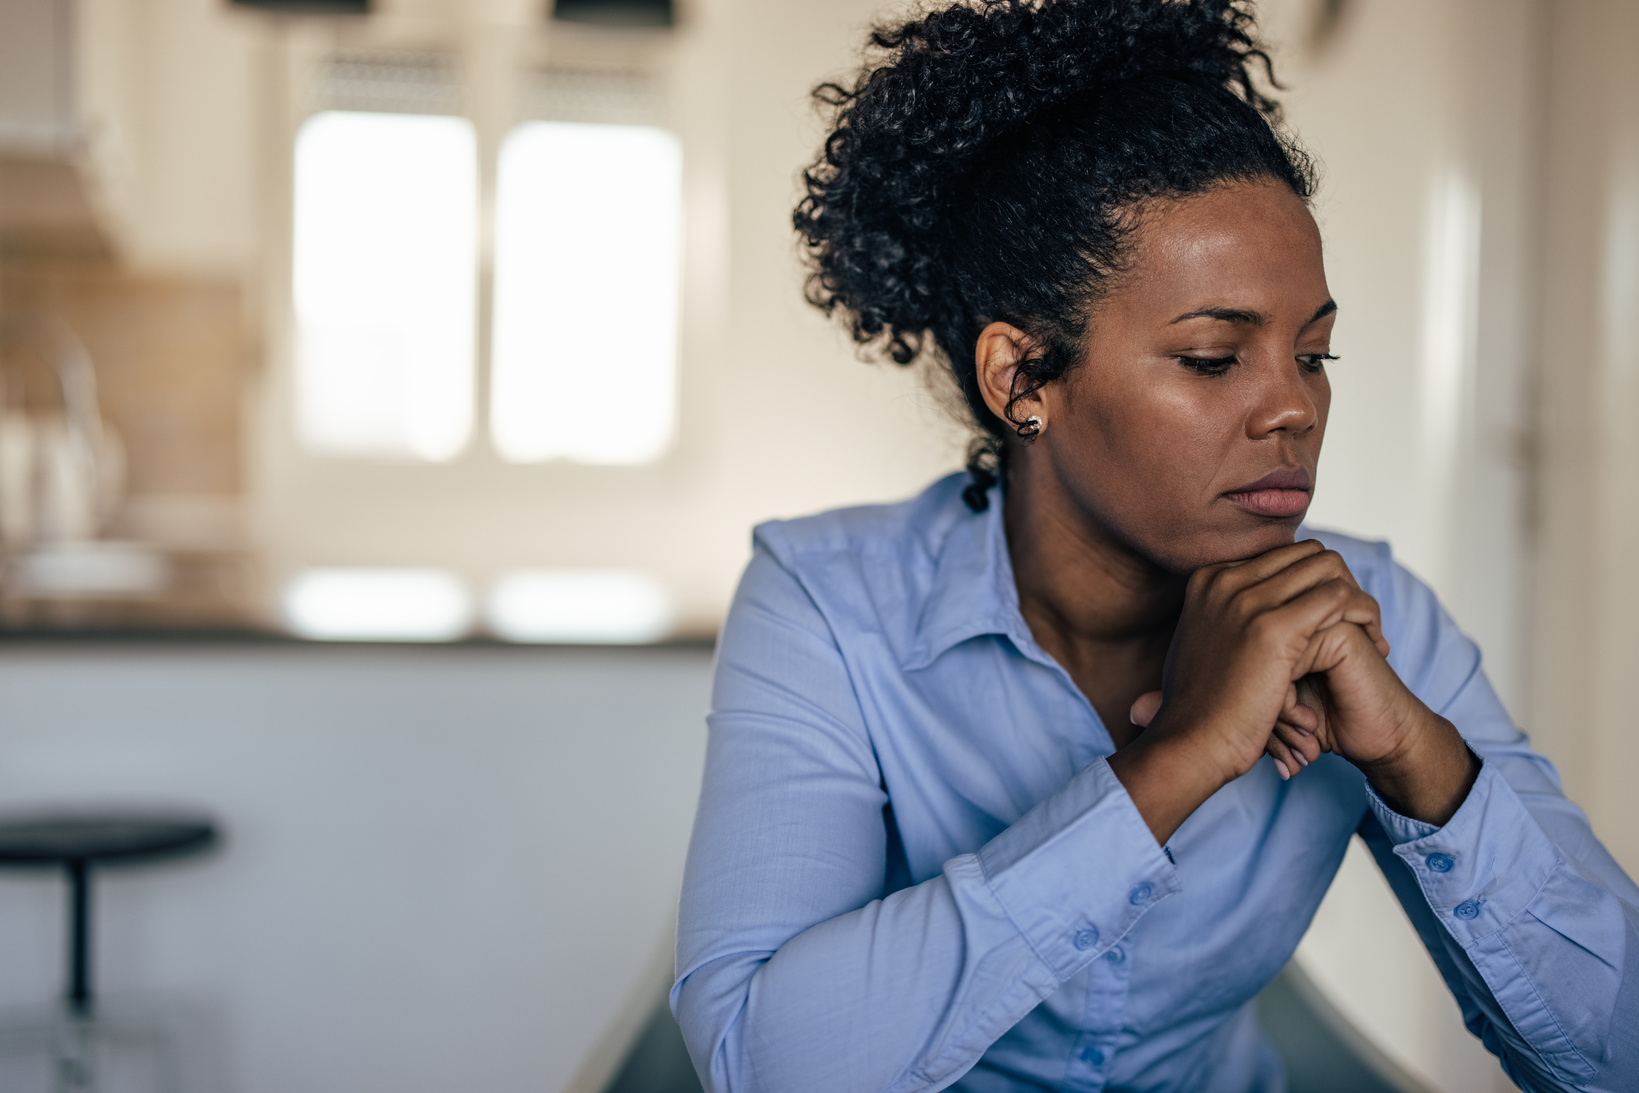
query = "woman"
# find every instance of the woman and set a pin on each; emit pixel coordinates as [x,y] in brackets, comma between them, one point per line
[986,801]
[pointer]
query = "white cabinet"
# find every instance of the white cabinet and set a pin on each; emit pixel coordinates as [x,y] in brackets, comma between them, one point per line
[48,200]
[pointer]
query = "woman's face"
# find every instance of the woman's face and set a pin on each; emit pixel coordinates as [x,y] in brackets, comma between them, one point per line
[1191,430]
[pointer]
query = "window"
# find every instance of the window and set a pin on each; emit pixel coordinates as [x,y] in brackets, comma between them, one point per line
[587,250]
[579,252]
[385,283]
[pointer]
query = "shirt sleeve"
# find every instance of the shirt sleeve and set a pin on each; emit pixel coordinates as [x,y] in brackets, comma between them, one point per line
[1532,924]
[795,971]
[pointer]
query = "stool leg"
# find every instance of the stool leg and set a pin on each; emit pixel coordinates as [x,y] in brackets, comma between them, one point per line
[74,1048]
[79,937]
[75,1055]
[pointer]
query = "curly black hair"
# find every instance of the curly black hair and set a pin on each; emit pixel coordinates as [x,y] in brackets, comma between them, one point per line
[985,164]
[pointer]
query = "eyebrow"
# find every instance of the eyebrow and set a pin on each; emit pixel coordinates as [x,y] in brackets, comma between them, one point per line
[1249,318]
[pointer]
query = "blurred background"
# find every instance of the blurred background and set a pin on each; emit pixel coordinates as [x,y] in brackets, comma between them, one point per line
[388,389]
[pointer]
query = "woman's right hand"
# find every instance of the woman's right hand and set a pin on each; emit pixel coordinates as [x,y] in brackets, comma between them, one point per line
[1232,671]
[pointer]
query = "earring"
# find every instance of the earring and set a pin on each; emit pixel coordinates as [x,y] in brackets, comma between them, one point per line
[1030,429]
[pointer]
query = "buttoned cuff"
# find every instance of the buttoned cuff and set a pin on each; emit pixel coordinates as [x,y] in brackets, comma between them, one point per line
[1075,872]
[1484,866]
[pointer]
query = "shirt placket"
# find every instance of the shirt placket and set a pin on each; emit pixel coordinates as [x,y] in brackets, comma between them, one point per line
[1094,1049]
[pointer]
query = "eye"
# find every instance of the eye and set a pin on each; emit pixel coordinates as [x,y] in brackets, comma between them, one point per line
[1314,362]
[1207,366]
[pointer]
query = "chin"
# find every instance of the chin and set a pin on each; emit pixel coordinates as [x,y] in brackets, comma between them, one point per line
[1264,536]
[1187,553]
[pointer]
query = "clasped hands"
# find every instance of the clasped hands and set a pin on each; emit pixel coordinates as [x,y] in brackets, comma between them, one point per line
[1284,654]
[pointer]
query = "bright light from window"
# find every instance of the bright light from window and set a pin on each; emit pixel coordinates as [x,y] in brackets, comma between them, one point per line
[587,606]
[377,605]
[385,283]
[587,248]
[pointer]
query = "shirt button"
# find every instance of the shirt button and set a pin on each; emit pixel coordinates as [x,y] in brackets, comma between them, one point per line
[1091,1056]
[1440,863]
[1115,955]
[1139,895]
[1467,909]
[1084,940]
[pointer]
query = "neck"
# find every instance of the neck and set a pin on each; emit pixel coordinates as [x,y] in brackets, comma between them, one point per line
[1103,611]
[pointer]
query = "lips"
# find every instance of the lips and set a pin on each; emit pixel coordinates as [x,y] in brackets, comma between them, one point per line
[1280,494]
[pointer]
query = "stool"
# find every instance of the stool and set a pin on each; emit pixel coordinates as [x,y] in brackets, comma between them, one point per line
[77,842]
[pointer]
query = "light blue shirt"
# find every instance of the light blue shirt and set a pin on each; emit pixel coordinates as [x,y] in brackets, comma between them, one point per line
[912,868]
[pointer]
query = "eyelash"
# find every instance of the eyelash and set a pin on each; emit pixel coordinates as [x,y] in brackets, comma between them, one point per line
[1217,366]
[1207,366]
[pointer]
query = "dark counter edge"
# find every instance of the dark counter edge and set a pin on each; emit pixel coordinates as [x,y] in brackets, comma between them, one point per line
[250,636]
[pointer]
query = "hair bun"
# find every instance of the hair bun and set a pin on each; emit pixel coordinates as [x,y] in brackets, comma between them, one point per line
[950,84]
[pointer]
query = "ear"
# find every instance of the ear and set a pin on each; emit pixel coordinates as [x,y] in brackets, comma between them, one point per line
[996,356]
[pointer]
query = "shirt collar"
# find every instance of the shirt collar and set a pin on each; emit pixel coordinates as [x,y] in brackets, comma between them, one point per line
[972,592]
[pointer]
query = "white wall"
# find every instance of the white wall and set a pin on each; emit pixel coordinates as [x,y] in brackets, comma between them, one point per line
[1585,638]
[168,96]
[444,869]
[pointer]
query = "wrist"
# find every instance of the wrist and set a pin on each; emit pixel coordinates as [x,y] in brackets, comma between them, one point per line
[1428,774]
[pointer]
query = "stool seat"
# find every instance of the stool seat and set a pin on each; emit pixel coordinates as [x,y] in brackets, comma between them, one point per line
[76,841]
[56,839]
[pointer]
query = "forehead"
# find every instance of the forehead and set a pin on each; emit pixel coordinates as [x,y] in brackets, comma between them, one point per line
[1236,241]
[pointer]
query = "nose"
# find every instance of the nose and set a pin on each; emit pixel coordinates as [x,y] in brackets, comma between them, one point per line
[1283,402]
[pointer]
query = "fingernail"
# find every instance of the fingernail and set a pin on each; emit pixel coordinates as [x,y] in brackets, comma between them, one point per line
[1302,762]
[1284,773]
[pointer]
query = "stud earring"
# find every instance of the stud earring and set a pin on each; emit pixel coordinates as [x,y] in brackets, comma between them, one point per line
[1030,429]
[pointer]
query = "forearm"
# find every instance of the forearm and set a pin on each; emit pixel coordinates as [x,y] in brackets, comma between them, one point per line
[864,1000]
[1168,776]
[1539,948]
[906,991]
